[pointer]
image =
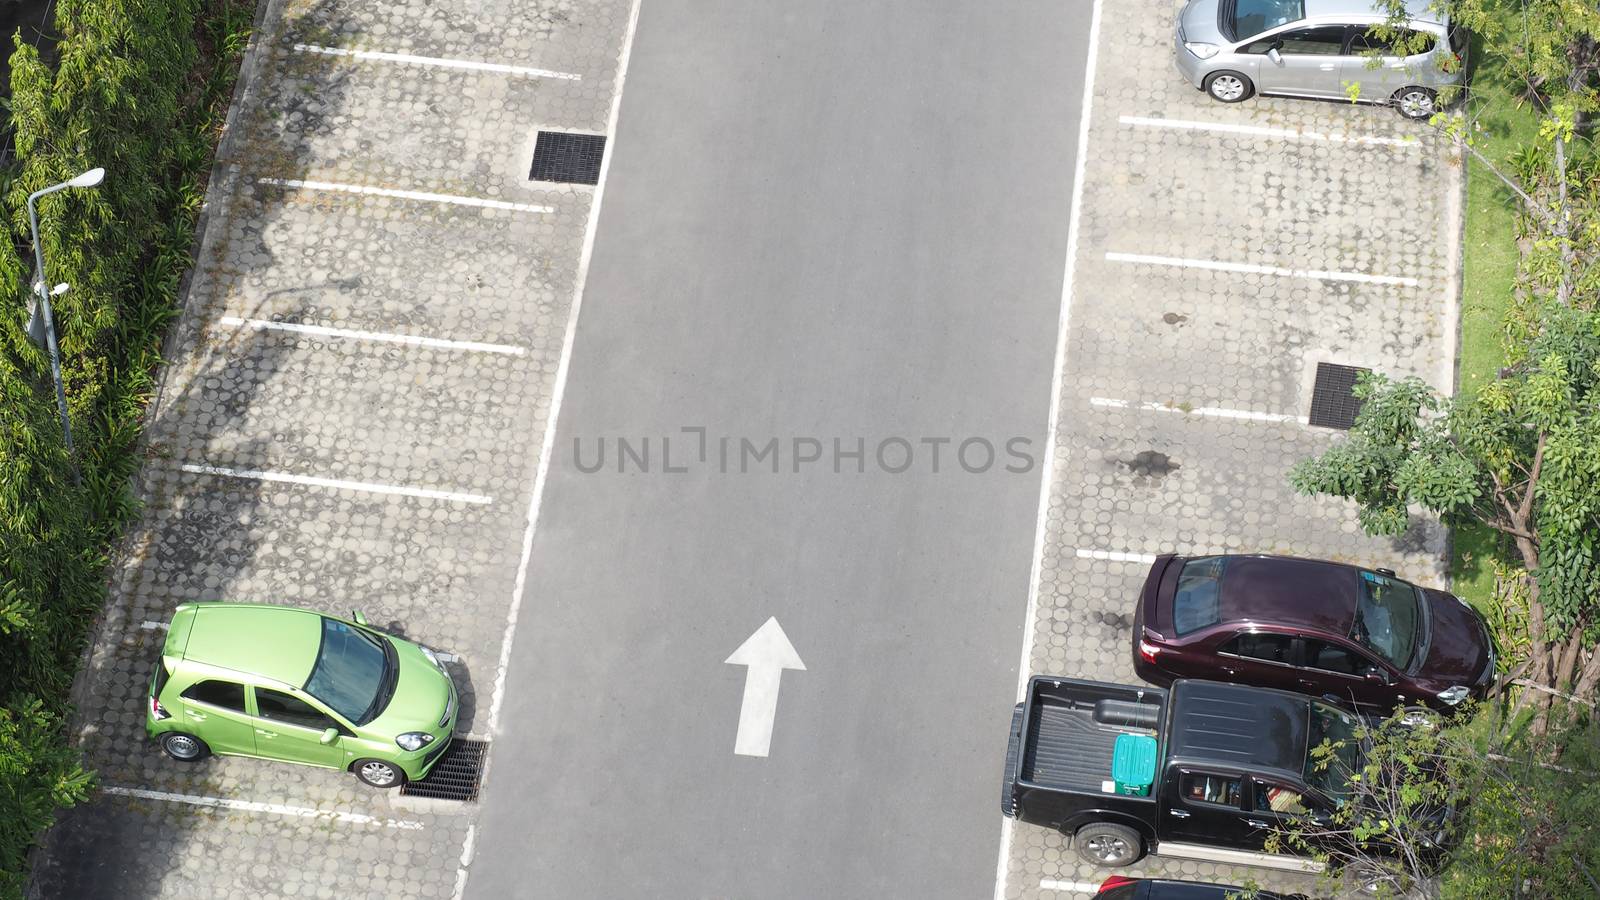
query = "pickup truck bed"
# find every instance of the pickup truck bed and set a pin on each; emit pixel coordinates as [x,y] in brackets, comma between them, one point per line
[1070,750]
[1074,728]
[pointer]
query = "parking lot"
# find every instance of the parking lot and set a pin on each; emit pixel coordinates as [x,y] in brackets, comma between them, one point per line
[356,407]
[1221,253]
[353,416]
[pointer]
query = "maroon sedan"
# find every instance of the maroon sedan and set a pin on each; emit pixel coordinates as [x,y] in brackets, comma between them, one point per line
[1322,628]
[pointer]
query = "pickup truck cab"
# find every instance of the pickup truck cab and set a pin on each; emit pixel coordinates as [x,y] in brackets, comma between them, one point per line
[1230,763]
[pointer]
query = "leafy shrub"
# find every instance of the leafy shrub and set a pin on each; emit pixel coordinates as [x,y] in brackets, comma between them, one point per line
[130,91]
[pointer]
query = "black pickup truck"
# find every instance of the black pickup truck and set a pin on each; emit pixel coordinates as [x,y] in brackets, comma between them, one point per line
[1229,762]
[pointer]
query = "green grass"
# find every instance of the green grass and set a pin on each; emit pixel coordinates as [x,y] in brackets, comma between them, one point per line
[1489,272]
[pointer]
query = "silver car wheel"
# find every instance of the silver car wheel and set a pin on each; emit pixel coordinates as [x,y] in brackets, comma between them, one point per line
[1415,103]
[377,774]
[1108,849]
[182,746]
[1227,88]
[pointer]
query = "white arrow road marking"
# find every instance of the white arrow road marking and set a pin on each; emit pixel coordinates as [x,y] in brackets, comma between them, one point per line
[766,654]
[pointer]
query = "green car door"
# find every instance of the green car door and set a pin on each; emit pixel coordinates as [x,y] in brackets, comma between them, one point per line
[291,729]
[215,712]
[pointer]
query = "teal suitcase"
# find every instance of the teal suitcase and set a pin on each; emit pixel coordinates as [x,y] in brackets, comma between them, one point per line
[1133,764]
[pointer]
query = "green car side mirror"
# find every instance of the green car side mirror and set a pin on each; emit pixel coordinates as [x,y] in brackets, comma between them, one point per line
[331,735]
[358,617]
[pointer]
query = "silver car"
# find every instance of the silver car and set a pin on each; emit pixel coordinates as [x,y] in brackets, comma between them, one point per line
[1232,49]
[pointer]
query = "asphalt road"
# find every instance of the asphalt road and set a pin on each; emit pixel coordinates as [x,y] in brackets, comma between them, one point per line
[822,220]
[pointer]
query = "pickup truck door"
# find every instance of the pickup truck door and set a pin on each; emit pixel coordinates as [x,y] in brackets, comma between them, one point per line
[1275,805]
[1206,806]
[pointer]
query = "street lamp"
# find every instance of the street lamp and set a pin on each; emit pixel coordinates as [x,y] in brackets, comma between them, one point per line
[87,179]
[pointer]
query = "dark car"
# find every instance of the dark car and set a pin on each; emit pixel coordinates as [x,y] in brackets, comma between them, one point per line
[1119,887]
[1323,628]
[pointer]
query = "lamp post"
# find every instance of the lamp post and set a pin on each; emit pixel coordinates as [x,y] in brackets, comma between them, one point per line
[87,179]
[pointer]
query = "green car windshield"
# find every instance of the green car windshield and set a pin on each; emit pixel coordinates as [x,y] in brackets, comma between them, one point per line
[350,671]
[1339,728]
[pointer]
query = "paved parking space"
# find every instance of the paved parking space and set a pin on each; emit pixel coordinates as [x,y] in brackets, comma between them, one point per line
[139,847]
[1222,252]
[353,418]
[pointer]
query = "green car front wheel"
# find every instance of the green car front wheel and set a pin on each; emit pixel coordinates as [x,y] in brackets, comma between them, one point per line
[378,774]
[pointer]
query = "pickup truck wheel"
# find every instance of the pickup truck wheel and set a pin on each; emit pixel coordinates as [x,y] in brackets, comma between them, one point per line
[1372,880]
[1105,844]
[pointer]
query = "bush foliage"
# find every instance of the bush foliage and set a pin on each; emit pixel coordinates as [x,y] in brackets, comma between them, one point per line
[139,88]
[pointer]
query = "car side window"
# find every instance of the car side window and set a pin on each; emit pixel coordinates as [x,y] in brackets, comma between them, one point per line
[225,694]
[1275,798]
[1202,787]
[1323,40]
[1333,658]
[1273,648]
[1261,45]
[1409,43]
[281,707]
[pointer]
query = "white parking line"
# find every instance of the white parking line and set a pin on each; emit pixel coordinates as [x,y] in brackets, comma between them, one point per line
[352,334]
[408,59]
[1008,825]
[403,195]
[276,809]
[153,626]
[258,475]
[466,859]
[1082,887]
[1116,556]
[1262,131]
[1252,269]
[1216,412]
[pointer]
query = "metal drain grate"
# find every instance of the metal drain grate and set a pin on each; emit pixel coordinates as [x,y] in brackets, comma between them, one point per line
[455,776]
[567,157]
[1332,404]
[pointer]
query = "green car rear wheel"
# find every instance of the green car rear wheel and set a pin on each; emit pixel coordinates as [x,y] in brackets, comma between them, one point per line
[184,747]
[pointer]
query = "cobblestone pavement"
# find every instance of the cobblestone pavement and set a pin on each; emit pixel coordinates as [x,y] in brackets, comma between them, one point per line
[352,417]
[1183,388]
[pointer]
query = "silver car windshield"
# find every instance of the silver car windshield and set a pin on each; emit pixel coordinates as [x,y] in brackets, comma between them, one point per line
[1251,17]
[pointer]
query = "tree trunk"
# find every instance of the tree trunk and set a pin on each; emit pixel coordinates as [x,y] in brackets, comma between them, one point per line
[1569,661]
[1563,222]
[1560,677]
[1590,677]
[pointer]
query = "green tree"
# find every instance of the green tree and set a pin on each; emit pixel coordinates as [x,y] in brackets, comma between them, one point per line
[1551,48]
[1521,455]
[1405,829]
[127,91]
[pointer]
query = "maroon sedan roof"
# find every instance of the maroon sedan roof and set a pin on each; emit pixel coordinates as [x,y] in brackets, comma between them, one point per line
[1281,590]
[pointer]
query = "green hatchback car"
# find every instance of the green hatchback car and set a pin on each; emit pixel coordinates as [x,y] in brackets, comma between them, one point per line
[289,684]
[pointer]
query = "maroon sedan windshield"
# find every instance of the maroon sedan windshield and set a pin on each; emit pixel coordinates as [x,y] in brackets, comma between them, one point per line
[1386,618]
